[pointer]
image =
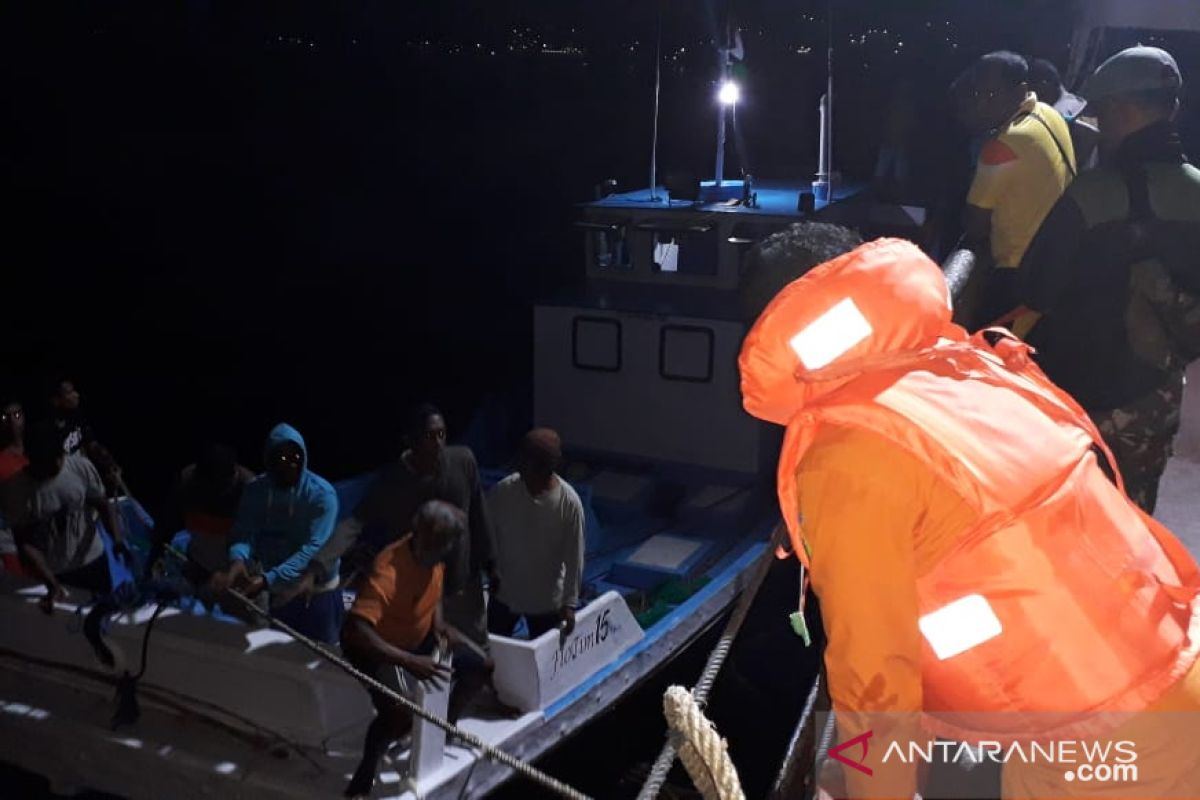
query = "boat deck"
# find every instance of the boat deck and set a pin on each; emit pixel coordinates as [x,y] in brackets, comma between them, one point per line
[246,712]
[775,199]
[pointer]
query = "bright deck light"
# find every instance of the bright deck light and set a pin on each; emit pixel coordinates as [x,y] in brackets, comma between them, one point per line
[729,93]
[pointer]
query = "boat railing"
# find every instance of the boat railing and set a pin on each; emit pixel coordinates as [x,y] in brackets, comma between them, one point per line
[964,278]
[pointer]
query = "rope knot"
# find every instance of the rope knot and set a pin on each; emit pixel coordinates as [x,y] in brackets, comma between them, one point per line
[701,749]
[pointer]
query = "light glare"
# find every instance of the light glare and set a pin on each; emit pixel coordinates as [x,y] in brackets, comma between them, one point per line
[729,93]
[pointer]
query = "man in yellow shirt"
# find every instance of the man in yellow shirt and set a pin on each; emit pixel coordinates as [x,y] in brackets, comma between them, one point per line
[1023,169]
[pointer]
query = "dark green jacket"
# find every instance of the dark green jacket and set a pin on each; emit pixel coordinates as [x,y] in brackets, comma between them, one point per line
[1079,268]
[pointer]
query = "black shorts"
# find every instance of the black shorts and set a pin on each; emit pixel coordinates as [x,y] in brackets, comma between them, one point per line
[390,675]
[94,576]
[400,681]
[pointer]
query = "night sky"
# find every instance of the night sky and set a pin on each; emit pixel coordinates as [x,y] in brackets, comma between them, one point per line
[226,214]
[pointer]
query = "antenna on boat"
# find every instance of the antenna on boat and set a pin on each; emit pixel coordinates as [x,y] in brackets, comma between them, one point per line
[823,185]
[654,198]
[728,92]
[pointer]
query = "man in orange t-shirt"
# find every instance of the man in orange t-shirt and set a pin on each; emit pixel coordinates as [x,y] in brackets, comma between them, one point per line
[392,630]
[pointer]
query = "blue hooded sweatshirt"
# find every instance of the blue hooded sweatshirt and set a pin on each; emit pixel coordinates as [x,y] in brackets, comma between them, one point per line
[284,528]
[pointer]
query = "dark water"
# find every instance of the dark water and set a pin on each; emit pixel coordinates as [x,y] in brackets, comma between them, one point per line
[755,704]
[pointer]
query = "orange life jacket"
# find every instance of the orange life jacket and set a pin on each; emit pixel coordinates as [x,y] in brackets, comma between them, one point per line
[1064,601]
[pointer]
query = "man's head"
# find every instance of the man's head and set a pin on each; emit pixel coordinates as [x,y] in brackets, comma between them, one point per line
[63,395]
[1045,80]
[1132,90]
[962,99]
[783,257]
[285,464]
[995,88]
[538,458]
[216,466]
[285,456]
[44,449]
[437,525]
[12,421]
[425,431]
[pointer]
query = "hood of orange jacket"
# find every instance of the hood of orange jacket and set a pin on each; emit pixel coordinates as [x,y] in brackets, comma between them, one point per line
[880,301]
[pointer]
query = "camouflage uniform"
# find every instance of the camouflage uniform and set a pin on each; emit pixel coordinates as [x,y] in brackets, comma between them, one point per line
[1140,435]
[1115,274]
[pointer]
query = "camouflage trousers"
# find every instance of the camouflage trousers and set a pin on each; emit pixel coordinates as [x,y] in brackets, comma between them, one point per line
[1140,435]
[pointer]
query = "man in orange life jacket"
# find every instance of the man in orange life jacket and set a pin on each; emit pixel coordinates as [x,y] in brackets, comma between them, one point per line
[980,578]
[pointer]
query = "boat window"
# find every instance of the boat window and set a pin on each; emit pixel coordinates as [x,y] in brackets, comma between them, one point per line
[685,353]
[608,246]
[596,344]
[745,235]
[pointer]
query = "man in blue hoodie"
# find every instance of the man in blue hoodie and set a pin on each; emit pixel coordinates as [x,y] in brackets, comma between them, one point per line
[284,517]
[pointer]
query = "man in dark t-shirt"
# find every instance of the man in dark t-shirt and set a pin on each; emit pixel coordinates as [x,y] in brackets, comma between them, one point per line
[77,435]
[426,470]
[203,501]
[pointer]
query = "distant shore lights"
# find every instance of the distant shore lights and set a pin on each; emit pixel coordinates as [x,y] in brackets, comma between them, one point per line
[729,93]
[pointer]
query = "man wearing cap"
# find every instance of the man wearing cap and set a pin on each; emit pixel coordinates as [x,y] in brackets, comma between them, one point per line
[1024,166]
[1114,270]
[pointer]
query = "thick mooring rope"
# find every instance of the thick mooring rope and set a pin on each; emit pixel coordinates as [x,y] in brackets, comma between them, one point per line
[516,764]
[701,749]
[716,659]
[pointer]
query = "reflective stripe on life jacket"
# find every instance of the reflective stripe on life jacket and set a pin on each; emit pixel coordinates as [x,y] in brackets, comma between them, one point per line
[1064,600]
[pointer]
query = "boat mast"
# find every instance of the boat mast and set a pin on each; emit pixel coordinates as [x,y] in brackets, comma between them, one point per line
[722,107]
[657,90]
[822,186]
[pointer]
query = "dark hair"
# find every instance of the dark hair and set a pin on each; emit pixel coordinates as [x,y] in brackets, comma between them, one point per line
[783,257]
[1012,68]
[541,449]
[53,384]
[1042,70]
[216,462]
[418,415]
[44,443]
